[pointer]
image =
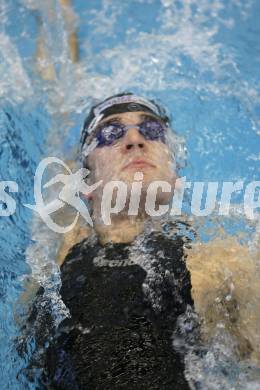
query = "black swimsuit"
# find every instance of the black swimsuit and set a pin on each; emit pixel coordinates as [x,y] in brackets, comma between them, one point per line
[124,302]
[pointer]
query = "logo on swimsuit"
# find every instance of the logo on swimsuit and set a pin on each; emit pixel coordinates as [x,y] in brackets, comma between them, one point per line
[99,262]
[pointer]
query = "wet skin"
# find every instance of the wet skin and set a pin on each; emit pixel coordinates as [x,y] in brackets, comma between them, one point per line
[130,154]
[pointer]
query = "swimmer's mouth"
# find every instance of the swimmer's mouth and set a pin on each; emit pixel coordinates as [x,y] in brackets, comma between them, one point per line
[139,163]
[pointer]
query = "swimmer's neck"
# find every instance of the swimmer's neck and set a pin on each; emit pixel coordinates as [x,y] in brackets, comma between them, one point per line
[123,229]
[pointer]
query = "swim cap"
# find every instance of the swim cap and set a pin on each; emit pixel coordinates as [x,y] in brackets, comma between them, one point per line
[116,104]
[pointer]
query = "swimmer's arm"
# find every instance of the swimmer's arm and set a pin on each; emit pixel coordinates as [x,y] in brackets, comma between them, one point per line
[44,63]
[225,288]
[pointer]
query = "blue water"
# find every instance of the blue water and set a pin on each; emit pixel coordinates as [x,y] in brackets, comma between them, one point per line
[201,59]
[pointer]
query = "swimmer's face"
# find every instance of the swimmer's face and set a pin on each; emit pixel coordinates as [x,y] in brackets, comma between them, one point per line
[130,154]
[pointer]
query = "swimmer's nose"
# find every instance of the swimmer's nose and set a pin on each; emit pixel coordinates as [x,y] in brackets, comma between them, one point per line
[133,140]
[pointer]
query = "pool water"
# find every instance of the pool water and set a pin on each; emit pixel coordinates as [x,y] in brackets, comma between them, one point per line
[200,59]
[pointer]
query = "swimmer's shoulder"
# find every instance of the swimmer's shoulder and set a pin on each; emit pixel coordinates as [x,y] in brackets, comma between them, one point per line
[72,240]
[79,257]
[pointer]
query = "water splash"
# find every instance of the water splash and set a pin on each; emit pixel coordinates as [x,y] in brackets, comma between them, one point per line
[193,57]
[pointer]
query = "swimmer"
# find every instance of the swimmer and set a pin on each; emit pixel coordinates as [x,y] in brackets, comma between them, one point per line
[125,288]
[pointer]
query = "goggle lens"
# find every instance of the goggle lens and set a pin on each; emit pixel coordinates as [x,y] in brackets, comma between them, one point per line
[150,129]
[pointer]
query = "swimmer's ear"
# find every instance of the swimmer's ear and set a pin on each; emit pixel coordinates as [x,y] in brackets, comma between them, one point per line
[88,196]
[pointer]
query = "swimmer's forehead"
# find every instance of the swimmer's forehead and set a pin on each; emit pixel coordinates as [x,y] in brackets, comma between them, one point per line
[137,116]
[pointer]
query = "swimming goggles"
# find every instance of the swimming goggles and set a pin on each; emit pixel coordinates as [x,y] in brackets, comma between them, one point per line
[107,133]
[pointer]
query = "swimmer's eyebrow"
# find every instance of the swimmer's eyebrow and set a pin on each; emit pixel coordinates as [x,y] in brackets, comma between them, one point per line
[118,119]
[149,116]
[112,120]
